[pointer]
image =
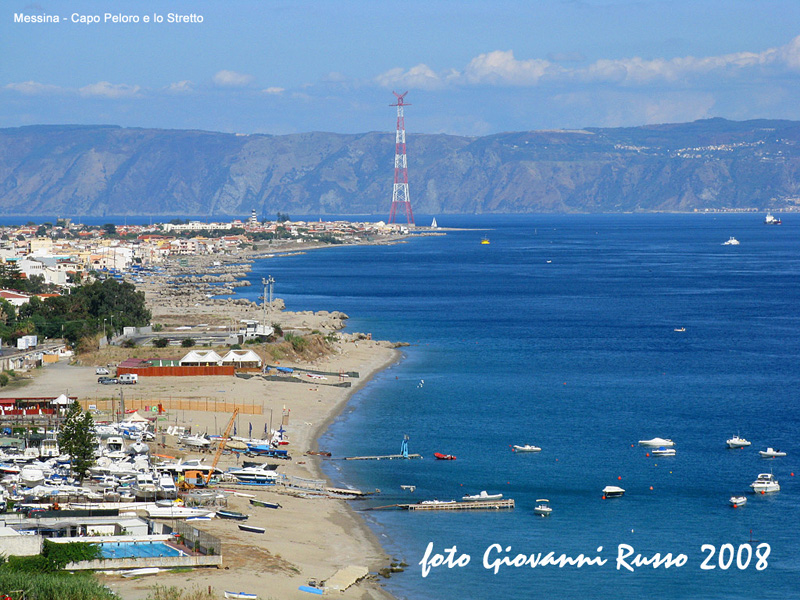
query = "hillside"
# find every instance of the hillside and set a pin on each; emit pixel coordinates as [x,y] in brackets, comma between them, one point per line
[107,170]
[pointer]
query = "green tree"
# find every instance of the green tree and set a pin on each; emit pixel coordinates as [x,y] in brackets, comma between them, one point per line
[187,342]
[110,229]
[76,438]
[161,342]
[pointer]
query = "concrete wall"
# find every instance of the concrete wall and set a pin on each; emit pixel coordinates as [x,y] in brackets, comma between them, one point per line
[164,562]
[20,545]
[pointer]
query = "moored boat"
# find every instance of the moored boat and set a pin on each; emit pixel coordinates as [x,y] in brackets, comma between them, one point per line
[526,448]
[543,509]
[765,483]
[771,453]
[737,501]
[657,443]
[484,495]
[737,442]
[662,451]
[613,491]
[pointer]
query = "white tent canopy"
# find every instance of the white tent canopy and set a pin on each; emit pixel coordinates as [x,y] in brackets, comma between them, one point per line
[136,418]
[62,400]
[202,358]
[242,357]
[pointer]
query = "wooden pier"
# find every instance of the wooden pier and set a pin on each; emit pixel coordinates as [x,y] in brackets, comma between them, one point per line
[385,457]
[486,505]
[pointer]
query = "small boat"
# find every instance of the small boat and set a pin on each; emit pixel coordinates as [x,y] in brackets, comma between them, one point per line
[765,483]
[525,448]
[241,596]
[612,491]
[737,501]
[252,528]
[732,241]
[141,572]
[657,443]
[771,453]
[770,220]
[543,509]
[429,502]
[263,504]
[662,451]
[410,488]
[737,442]
[441,456]
[679,329]
[485,241]
[484,495]
[230,514]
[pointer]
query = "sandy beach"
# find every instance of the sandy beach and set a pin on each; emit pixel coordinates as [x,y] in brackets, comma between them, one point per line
[307,539]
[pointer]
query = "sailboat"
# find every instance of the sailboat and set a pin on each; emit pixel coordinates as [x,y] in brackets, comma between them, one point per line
[433,224]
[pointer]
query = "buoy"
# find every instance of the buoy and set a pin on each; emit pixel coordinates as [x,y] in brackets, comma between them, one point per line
[651,488]
[792,474]
[619,477]
[648,454]
[604,497]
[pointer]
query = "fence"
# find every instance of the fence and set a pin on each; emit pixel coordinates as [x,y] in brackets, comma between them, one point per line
[168,404]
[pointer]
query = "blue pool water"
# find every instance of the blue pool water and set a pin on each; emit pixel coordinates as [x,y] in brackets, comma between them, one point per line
[560,333]
[138,550]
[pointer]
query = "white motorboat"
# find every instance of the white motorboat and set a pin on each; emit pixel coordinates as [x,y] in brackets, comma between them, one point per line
[526,448]
[732,241]
[662,451]
[771,453]
[434,502]
[115,447]
[196,441]
[177,512]
[484,495]
[543,509]
[31,476]
[49,448]
[612,491]
[765,483]
[145,488]
[737,501]
[737,442]
[167,488]
[255,475]
[240,596]
[657,443]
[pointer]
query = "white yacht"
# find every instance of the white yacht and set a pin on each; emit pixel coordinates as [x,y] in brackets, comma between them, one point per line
[737,501]
[484,495]
[662,451]
[732,241]
[526,448]
[737,442]
[765,483]
[255,475]
[145,488]
[543,509]
[657,443]
[196,441]
[49,448]
[167,488]
[612,491]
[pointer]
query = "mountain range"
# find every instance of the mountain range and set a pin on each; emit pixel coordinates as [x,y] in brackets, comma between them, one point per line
[712,164]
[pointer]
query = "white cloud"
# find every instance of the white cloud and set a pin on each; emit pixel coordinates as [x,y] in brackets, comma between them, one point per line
[232,78]
[180,87]
[105,89]
[274,90]
[503,68]
[33,88]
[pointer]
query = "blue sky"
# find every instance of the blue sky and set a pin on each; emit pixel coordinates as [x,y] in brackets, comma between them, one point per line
[470,67]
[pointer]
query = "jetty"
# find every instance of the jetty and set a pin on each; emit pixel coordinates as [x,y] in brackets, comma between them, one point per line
[486,505]
[384,457]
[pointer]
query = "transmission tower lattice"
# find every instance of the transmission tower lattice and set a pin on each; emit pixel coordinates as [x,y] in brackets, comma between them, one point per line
[400,195]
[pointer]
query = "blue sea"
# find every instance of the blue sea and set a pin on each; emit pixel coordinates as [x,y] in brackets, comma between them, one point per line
[561,333]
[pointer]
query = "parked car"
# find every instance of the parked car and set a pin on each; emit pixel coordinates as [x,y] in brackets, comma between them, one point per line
[101,371]
[108,380]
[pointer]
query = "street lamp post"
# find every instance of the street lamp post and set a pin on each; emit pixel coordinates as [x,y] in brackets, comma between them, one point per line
[104,327]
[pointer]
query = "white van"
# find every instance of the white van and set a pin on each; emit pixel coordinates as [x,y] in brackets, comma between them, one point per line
[129,378]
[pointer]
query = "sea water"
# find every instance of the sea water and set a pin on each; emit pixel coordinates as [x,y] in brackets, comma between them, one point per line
[561,333]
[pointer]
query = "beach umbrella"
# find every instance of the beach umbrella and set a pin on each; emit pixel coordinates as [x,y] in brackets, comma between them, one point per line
[265,429]
[250,434]
[234,429]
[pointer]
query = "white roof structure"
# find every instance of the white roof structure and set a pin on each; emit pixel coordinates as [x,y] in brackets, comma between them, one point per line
[238,357]
[62,400]
[201,357]
[136,418]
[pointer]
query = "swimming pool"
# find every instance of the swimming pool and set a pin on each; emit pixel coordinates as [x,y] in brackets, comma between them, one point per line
[138,549]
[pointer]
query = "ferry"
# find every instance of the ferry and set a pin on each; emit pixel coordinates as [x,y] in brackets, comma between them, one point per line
[770,220]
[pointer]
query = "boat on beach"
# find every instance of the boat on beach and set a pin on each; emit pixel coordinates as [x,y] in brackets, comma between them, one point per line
[525,448]
[230,514]
[263,504]
[240,596]
[440,456]
[771,453]
[737,501]
[252,528]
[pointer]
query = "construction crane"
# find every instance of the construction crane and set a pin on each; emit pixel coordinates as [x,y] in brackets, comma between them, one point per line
[221,445]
